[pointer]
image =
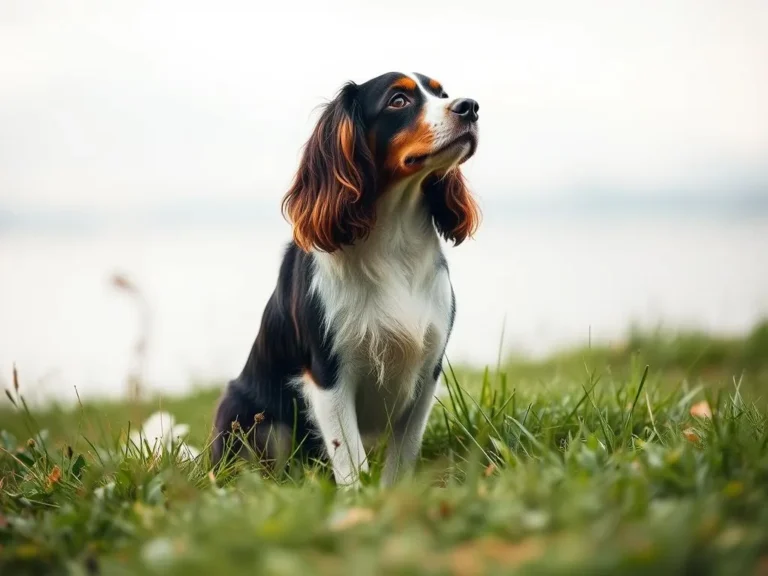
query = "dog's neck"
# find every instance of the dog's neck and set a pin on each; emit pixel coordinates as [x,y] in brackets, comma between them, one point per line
[403,231]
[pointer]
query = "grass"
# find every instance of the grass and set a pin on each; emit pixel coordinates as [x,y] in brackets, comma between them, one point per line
[588,462]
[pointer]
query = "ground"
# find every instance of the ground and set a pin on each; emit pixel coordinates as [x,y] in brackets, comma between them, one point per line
[649,457]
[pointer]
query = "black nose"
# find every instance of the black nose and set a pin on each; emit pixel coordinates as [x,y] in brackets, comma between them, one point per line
[466,108]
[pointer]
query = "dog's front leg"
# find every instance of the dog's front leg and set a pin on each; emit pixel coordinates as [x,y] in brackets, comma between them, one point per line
[334,413]
[405,444]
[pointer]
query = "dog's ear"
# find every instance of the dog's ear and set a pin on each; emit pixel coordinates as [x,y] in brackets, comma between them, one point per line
[454,211]
[331,200]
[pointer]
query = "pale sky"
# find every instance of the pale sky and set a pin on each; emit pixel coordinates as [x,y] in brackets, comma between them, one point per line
[110,104]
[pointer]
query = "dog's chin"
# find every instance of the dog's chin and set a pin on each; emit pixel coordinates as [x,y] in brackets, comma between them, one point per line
[448,156]
[457,151]
[453,155]
[466,148]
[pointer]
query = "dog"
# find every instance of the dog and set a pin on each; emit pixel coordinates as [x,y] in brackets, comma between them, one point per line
[352,339]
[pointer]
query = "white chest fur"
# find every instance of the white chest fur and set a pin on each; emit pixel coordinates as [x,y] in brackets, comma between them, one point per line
[387,303]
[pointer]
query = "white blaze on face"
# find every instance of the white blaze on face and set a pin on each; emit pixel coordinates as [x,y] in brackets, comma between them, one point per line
[436,114]
[439,118]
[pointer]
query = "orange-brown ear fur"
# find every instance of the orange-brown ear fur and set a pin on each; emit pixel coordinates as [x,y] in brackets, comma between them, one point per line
[454,211]
[331,200]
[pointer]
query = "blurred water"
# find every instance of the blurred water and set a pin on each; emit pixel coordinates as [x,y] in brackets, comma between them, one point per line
[556,280]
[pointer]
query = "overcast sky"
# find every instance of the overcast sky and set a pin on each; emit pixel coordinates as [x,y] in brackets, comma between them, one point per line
[115,104]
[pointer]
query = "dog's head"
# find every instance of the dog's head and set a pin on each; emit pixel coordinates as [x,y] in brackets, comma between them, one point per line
[392,131]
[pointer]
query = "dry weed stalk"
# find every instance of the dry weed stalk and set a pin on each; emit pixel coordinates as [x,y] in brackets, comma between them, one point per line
[136,375]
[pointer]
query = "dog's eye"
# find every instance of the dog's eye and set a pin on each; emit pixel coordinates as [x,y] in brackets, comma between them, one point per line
[443,95]
[397,101]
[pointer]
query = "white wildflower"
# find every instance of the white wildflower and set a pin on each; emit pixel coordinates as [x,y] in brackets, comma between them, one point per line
[162,433]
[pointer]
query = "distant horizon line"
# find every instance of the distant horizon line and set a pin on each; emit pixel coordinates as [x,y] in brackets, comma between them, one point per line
[206,211]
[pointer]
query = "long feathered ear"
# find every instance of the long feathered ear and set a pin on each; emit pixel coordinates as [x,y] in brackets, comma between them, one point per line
[454,211]
[331,200]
